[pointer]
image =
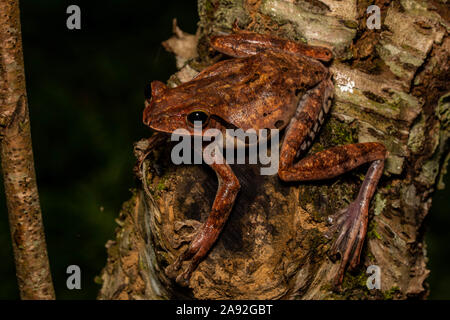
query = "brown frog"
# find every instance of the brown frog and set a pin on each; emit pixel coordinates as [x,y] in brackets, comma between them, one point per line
[275,84]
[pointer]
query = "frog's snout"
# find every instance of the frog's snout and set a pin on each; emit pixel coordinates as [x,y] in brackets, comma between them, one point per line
[156,88]
[146,117]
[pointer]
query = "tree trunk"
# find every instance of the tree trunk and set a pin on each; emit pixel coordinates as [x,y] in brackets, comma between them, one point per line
[391,86]
[22,198]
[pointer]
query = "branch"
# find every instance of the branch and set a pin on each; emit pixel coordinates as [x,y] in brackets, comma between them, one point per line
[30,252]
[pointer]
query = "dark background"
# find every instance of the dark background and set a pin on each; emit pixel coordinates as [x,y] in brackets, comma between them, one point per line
[85,90]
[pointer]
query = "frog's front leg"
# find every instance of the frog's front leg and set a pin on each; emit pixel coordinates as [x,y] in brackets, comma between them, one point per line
[207,234]
[351,222]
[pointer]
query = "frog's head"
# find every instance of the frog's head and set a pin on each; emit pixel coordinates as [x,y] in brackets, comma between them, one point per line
[169,109]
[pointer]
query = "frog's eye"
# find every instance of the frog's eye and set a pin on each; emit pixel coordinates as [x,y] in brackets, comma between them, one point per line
[197,116]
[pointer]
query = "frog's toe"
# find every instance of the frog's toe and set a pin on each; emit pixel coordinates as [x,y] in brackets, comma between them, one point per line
[184,277]
[176,272]
[350,225]
[172,271]
[336,222]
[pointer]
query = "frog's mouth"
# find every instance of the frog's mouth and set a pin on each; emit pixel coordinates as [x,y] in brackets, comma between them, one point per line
[159,121]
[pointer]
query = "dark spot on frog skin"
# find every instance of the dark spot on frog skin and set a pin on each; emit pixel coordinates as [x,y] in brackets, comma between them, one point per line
[279,124]
[253,78]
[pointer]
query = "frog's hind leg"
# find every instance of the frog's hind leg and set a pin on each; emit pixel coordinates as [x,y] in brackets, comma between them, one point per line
[351,223]
[243,44]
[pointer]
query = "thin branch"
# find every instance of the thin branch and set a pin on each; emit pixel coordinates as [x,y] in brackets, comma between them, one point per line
[27,232]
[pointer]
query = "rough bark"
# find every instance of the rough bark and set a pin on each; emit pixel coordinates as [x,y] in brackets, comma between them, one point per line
[30,251]
[391,86]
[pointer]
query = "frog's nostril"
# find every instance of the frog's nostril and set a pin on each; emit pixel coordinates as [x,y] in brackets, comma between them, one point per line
[279,124]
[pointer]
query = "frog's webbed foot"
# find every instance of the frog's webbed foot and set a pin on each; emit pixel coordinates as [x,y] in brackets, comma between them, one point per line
[350,225]
[181,269]
[174,271]
[180,273]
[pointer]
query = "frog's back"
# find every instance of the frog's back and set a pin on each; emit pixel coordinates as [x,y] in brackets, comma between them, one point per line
[260,91]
